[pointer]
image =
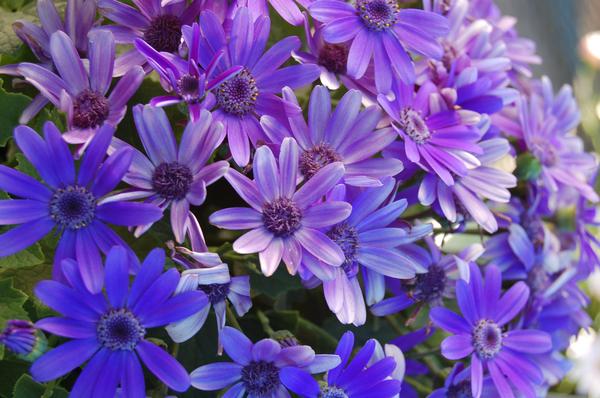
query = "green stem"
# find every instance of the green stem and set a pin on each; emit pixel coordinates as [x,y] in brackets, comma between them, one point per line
[420,387]
[232,319]
[264,321]
[395,325]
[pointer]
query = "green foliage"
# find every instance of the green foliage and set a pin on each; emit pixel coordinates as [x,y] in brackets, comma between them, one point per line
[26,387]
[11,302]
[12,105]
[528,167]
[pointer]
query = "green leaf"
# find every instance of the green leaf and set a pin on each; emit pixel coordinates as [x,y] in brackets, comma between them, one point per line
[528,167]
[11,302]
[26,387]
[25,258]
[11,107]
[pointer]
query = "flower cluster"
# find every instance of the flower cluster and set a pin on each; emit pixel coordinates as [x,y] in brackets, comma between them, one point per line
[428,127]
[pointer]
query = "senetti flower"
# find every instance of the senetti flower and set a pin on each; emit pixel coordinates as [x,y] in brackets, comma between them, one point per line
[157,23]
[482,333]
[440,139]
[110,331]
[22,338]
[285,221]
[241,100]
[347,134]
[76,204]
[263,369]
[382,31]
[547,129]
[172,177]
[188,82]
[82,93]
[80,17]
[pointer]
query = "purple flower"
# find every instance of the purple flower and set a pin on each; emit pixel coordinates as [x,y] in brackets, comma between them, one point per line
[264,369]
[346,135]
[405,343]
[82,93]
[440,139]
[78,20]
[547,129]
[363,376]
[76,204]
[172,177]
[157,24]
[285,221]
[481,332]
[250,94]
[382,31]
[458,384]
[287,9]
[110,331]
[187,82]
[371,244]
[22,338]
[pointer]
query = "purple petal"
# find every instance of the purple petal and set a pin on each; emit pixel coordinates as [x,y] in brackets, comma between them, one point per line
[128,213]
[17,183]
[266,173]
[101,55]
[511,303]
[132,382]
[90,262]
[288,167]
[216,376]
[236,345]
[20,211]
[253,241]
[156,134]
[126,87]
[342,29]
[246,188]
[163,366]
[36,151]
[117,277]
[94,154]
[448,320]
[25,235]
[326,214]
[271,256]
[320,245]
[528,341]
[299,381]
[236,218]
[321,183]
[67,327]
[67,62]
[457,346]
[69,355]
[360,53]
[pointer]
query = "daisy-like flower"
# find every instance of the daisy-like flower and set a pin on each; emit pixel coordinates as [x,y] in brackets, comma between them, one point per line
[242,100]
[82,93]
[80,17]
[187,82]
[172,177]
[23,339]
[263,369]
[440,139]
[371,244]
[285,221]
[382,31]
[156,23]
[547,124]
[71,202]
[482,333]
[207,273]
[109,331]
[347,134]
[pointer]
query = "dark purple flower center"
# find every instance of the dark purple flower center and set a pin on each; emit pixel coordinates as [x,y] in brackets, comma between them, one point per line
[238,95]
[334,57]
[260,378]
[164,33]
[188,88]
[346,237]
[332,392]
[281,217]
[317,157]
[487,339]
[172,180]
[429,286]
[119,329]
[90,109]
[378,14]
[414,126]
[460,390]
[216,292]
[73,207]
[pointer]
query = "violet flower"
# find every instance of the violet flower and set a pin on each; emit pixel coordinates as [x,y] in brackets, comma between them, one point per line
[23,339]
[285,221]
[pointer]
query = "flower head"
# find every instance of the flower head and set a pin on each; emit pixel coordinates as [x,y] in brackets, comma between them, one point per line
[23,338]
[382,31]
[263,369]
[83,93]
[285,221]
[170,176]
[482,333]
[110,331]
[76,204]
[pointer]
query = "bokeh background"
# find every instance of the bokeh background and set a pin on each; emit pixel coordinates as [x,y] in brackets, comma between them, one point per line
[567,33]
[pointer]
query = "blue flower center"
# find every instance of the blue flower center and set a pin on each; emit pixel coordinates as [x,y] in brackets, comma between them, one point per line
[346,237]
[90,109]
[487,339]
[414,126]
[429,286]
[332,392]
[238,95]
[119,329]
[172,180]
[73,207]
[188,88]
[164,33]
[216,292]
[281,217]
[460,390]
[333,57]
[260,378]
[378,15]
[317,157]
